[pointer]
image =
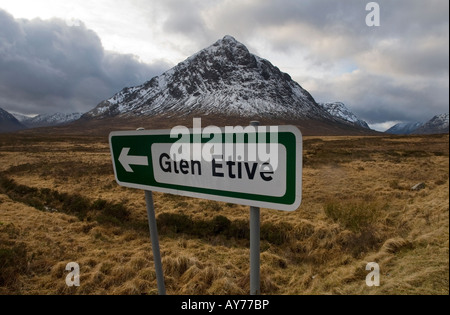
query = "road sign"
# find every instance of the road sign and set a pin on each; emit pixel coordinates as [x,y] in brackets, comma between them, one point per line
[224,166]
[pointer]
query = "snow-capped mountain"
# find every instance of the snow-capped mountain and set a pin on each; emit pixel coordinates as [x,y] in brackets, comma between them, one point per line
[9,123]
[404,128]
[437,124]
[340,111]
[46,120]
[222,79]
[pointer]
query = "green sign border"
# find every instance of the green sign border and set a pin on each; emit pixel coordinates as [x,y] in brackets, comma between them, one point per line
[140,143]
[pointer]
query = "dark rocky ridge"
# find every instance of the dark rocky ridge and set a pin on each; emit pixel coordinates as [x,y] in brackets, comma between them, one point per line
[9,123]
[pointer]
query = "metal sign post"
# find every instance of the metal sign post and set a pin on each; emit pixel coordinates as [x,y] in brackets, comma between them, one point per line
[154,238]
[254,251]
[155,242]
[255,265]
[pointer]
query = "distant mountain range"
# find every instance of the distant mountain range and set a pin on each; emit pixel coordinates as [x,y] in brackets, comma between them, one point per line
[437,124]
[46,120]
[14,122]
[404,128]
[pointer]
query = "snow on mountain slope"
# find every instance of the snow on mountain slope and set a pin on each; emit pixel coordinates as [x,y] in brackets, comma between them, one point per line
[437,124]
[46,120]
[225,79]
[339,110]
[404,128]
[21,117]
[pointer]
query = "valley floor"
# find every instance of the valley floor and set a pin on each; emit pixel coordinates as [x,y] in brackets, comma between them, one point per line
[59,203]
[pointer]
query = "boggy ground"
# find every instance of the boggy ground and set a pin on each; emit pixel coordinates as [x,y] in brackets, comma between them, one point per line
[59,203]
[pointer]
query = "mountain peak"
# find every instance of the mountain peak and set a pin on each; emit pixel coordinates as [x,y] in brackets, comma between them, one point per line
[224,79]
[437,124]
[229,38]
[230,42]
[229,50]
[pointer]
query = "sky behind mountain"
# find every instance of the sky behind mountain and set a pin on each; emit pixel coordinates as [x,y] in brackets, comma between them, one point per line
[66,56]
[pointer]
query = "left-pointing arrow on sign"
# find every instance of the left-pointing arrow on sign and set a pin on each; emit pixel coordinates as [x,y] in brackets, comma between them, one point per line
[127,160]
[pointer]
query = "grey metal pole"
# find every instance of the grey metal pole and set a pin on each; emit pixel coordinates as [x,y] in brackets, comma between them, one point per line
[155,242]
[254,251]
[255,220]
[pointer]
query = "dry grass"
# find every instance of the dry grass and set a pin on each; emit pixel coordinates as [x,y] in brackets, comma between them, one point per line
[59,203]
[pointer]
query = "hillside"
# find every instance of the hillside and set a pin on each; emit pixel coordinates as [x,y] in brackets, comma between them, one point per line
[340,111]
[8,123]
[437,124]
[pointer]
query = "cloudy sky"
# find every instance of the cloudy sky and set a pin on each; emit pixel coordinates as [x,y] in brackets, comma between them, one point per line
[69,55]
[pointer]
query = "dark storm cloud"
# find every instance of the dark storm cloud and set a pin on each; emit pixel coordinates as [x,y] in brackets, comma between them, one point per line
[48,66]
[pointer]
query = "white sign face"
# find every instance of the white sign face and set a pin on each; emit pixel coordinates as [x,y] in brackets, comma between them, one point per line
[254,177]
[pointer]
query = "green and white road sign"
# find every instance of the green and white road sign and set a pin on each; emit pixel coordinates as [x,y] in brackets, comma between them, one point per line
[260,167]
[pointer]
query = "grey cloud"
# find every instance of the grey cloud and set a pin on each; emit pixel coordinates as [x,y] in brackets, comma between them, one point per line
[423,57]
[308,24]
[48,66]
[185,18]
[301,21]
[380,98]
